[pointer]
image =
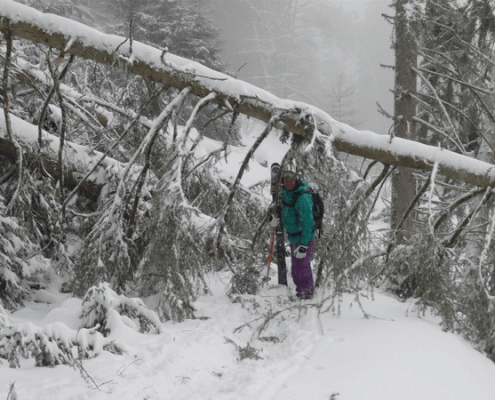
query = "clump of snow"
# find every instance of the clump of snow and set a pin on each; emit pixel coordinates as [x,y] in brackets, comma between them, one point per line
[104,308]
[51,345]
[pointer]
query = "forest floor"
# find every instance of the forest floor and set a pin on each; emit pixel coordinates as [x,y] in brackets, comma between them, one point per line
[263,347]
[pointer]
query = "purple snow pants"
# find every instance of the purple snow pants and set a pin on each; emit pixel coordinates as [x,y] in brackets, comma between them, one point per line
[301,272]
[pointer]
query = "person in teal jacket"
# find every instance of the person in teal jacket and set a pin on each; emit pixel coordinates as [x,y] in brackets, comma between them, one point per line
[298,223]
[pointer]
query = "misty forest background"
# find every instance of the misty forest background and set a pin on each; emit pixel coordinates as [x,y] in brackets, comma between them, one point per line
[163,216]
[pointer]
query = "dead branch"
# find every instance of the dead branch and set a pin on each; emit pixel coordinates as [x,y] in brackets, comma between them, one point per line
[457,203]
[465,222]
[5,81]
[273,121]
[8,123]
[371,188]
[406,214]
[147,165]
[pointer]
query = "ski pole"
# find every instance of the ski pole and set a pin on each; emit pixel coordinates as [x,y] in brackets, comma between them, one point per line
[267,278]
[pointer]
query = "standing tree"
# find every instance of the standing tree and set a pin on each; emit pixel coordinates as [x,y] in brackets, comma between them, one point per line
[182,27]
[343,99]
[403,181]
[273,32]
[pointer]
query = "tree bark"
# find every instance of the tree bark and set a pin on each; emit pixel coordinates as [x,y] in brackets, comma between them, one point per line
[299,118]
[403,181]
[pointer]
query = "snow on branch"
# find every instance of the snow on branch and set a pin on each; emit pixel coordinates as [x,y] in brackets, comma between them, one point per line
[52,345]
[102,307]
[79,159]
[102,311]
[147,61]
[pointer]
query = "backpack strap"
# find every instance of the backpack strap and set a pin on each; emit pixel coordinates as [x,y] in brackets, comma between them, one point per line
[294,201]
[296,196]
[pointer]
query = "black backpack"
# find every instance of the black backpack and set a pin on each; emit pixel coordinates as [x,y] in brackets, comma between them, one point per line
[318,208]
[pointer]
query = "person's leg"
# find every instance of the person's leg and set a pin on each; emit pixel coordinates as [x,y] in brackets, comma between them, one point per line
[301,273]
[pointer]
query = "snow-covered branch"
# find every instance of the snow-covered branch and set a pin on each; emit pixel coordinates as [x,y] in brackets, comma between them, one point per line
[79,160]
[103,308]
[52,345]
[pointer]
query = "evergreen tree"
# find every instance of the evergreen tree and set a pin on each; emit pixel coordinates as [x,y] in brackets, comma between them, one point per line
[182,27]
[21,265]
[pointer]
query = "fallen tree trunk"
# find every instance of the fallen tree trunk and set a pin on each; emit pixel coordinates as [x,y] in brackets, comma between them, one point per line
[78,160]
[299,118]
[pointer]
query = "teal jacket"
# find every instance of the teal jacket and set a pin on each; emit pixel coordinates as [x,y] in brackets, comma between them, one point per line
[297,219]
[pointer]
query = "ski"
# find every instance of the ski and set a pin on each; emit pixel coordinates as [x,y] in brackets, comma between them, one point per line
[276,193]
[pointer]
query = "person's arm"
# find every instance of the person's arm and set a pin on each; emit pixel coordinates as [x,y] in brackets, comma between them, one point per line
[304,208]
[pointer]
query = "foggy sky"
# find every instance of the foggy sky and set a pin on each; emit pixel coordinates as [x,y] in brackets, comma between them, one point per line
[358,48]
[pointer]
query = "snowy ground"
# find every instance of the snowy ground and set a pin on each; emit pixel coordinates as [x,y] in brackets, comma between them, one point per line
[391,353]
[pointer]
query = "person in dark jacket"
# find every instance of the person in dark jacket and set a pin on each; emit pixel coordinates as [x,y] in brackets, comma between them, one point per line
[298,223]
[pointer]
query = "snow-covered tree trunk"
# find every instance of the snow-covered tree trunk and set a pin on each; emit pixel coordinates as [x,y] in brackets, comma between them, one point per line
[79,160]
[298,118]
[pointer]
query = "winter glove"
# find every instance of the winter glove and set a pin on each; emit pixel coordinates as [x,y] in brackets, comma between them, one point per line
[300,251]
[274,222]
